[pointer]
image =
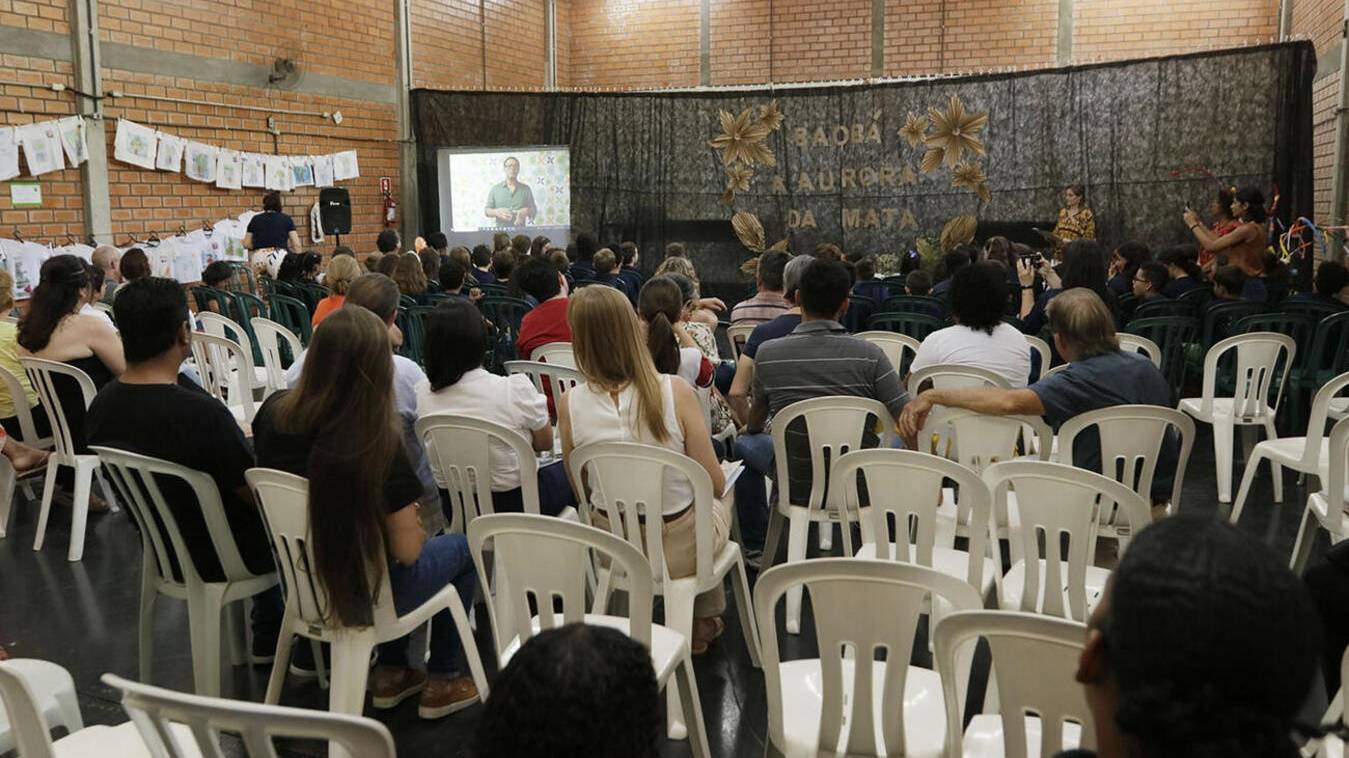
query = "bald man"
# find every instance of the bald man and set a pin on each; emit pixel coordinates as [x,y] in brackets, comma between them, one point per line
[109,259]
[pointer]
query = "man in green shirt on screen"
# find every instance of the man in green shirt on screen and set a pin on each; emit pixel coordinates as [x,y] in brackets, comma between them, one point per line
[511,203]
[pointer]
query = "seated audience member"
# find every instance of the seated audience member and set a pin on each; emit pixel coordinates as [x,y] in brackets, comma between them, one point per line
[500,241]
[673,351]
[456,341]
[9,361]
[979,338]
[1124,263]
[534,711]
[371,263]
[520,246]
[583,267]
[1182,263]
[135,265]
[1098,375]
[147,410]
[706,308]
[867,284]
[440,245]
[918,282]
[453,280]
[54,329]
[1083,266]
[1229,282]
[334,429]
[342,271]
[430,269]
[1150,281]
[389,264]
[503,266]
[342,250]
[411,277]
[704,336]
[1209,680]
[217,276]
[624,399]
[631,258]
[997,249]
[767,303]
[606,264]
[738,395]
[109,259]
[828,251]
[561,261]
[464,257]
[817,359]
[1331,286]
[388,243]
[720,417]
[482,265]
[1272,284]
[676,250]
[311,267]
[538,246]
[546,322]
[91,293]
[950,263]
[378,294]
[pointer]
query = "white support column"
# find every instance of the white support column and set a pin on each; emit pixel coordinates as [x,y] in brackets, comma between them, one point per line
[409,201]
[550,27]
[85,65]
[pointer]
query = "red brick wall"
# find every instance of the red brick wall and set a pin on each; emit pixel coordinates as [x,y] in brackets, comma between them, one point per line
[634,44]
[1320,20]
[1110,29]
[61,210]
[446,44]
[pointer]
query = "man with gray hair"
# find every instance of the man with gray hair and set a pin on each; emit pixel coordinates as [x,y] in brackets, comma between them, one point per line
[109,259]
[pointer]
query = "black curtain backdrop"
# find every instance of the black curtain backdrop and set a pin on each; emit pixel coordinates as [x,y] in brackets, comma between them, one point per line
[1134,133]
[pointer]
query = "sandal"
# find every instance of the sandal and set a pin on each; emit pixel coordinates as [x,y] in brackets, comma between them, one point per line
[700,642]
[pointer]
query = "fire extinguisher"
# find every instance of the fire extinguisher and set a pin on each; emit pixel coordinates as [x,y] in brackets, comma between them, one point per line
[390,210]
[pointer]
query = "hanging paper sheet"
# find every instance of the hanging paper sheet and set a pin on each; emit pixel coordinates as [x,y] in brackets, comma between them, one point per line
[134,144]
[323,170]
[344,166]
[73,139]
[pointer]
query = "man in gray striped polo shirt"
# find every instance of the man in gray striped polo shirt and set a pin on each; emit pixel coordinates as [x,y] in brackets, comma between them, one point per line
[818,359]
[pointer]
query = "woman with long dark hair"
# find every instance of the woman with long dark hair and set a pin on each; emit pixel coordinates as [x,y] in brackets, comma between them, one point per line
[660,305]
[1182,264]
[1083,266]
[339,429]
[1223,223]
[1244,245]
[1124,263]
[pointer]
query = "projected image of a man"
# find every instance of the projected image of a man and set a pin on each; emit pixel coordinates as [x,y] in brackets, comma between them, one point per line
[511,202]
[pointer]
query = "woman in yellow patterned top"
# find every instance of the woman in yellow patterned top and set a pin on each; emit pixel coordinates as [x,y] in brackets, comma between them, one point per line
[1075,218]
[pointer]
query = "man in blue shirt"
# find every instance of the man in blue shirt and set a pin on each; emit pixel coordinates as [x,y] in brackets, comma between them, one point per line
[1099,375]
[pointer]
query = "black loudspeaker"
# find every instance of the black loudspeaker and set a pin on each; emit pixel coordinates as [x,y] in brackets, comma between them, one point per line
[335,210]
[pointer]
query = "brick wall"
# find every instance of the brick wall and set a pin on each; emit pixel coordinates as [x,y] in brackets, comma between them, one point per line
[61,210]
[634,44]
[1320,20]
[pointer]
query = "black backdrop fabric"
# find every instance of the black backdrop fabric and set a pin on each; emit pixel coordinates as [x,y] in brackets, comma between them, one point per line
[1138,134]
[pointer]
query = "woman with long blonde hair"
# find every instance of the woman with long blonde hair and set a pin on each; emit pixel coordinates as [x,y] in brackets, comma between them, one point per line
[624,399]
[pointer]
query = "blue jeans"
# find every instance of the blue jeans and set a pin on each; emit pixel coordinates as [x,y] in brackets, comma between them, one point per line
[751,489]
[444,560]
[554,493]
[723,375]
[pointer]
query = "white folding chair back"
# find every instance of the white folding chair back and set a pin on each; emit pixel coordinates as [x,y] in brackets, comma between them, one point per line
[42,375]
[157,711]
[543,563]
[1131,443]
[954,376]
[138,480]
[1330,506]
[738,335]
[271,336]
[976,440]
[555,376]
[557,353]
[912,516]
[32,730]
[284,500]
[227,372]
[14,388]
[845,701]
[1136,344]
[1032,657]
[30,734]
[1057,502]
[103,308]
[893,344]
[1040,348]
[461,451]
[52,692]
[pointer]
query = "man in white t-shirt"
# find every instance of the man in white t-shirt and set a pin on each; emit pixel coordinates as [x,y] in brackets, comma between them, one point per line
[980,337]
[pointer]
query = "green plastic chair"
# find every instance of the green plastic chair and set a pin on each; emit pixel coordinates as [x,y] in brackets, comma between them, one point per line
[916,325]
[311,293]
[1173,334]
[505,313]
[206,296]
[930,306]
[1161,306]
[294,315]
[412,322]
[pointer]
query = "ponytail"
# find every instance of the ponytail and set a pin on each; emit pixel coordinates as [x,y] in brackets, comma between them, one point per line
[660,303]
[662,344]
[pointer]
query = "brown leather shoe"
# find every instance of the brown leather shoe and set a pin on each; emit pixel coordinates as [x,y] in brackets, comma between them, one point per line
[441,697]
[390,687]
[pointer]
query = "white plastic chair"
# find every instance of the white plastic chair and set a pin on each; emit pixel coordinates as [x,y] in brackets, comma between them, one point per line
[271,336]
[1131,445]
[1136,344]
[284,499]
[548,560]
[1305,455]
[829,705]
[1056,501]
[1053,371]
[217,325]
[32,732]
[626,483]
[227,372]
[834,426]
[138,479]
[42,374]
[905,489]
[53,692]
[1258,356]
[9,478]
[1040,348]
[556,377]
[1034,660]
[893,344]
[1330,506]
[738,335]
[161,714]
[946,376]
[559,353]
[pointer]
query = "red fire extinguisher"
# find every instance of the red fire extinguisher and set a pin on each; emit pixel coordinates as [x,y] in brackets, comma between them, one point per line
[390,205]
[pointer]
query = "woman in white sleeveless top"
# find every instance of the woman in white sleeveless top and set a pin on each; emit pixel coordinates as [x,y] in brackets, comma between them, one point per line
[624,399]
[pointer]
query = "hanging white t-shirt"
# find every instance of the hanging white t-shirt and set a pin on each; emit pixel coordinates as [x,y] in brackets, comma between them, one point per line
[1004,352]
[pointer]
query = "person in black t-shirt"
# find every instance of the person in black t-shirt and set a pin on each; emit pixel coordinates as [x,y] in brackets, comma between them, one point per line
[271,228]
[338,428]
[148,411]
